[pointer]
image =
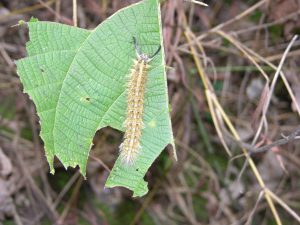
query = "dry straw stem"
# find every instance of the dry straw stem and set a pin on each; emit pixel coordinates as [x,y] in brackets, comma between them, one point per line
[249,220]
[75,13]
[240,47]
[197,2]
[264,60]
[212,99]
[279,56]
[267,103]
[215,115]
[220,26]
[286,83]
[284,205]
[253,57]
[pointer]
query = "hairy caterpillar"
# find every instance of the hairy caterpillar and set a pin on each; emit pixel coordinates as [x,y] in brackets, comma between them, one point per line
[130,147]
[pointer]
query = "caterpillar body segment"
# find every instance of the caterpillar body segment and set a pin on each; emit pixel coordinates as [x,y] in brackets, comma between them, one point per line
[131,146]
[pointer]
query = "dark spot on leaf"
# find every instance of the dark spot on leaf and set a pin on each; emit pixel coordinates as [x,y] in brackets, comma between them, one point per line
[42,70]
[87,99]
[137,169]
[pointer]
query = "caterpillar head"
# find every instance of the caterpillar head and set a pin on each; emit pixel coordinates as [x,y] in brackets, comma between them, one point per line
[142,56]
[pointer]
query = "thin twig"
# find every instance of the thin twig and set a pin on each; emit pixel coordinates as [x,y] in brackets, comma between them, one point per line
[100,162]
[279,142]
[267,25]
[287,139]
[26,9]
[54,12]
[35,190]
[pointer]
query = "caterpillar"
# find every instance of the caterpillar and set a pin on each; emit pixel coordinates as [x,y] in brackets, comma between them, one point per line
[133,124]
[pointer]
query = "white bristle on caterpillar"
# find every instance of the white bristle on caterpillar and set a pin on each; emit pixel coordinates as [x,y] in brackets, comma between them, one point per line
[131,147]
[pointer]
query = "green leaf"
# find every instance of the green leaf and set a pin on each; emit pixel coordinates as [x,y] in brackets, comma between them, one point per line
[77,80]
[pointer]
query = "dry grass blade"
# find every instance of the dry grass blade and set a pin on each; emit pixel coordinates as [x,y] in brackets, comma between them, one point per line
[215,101]
[66,188]
[252,58]
[284,205]
[215,115]
[271,90]
[240,47]
[264,60]
[220,26]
